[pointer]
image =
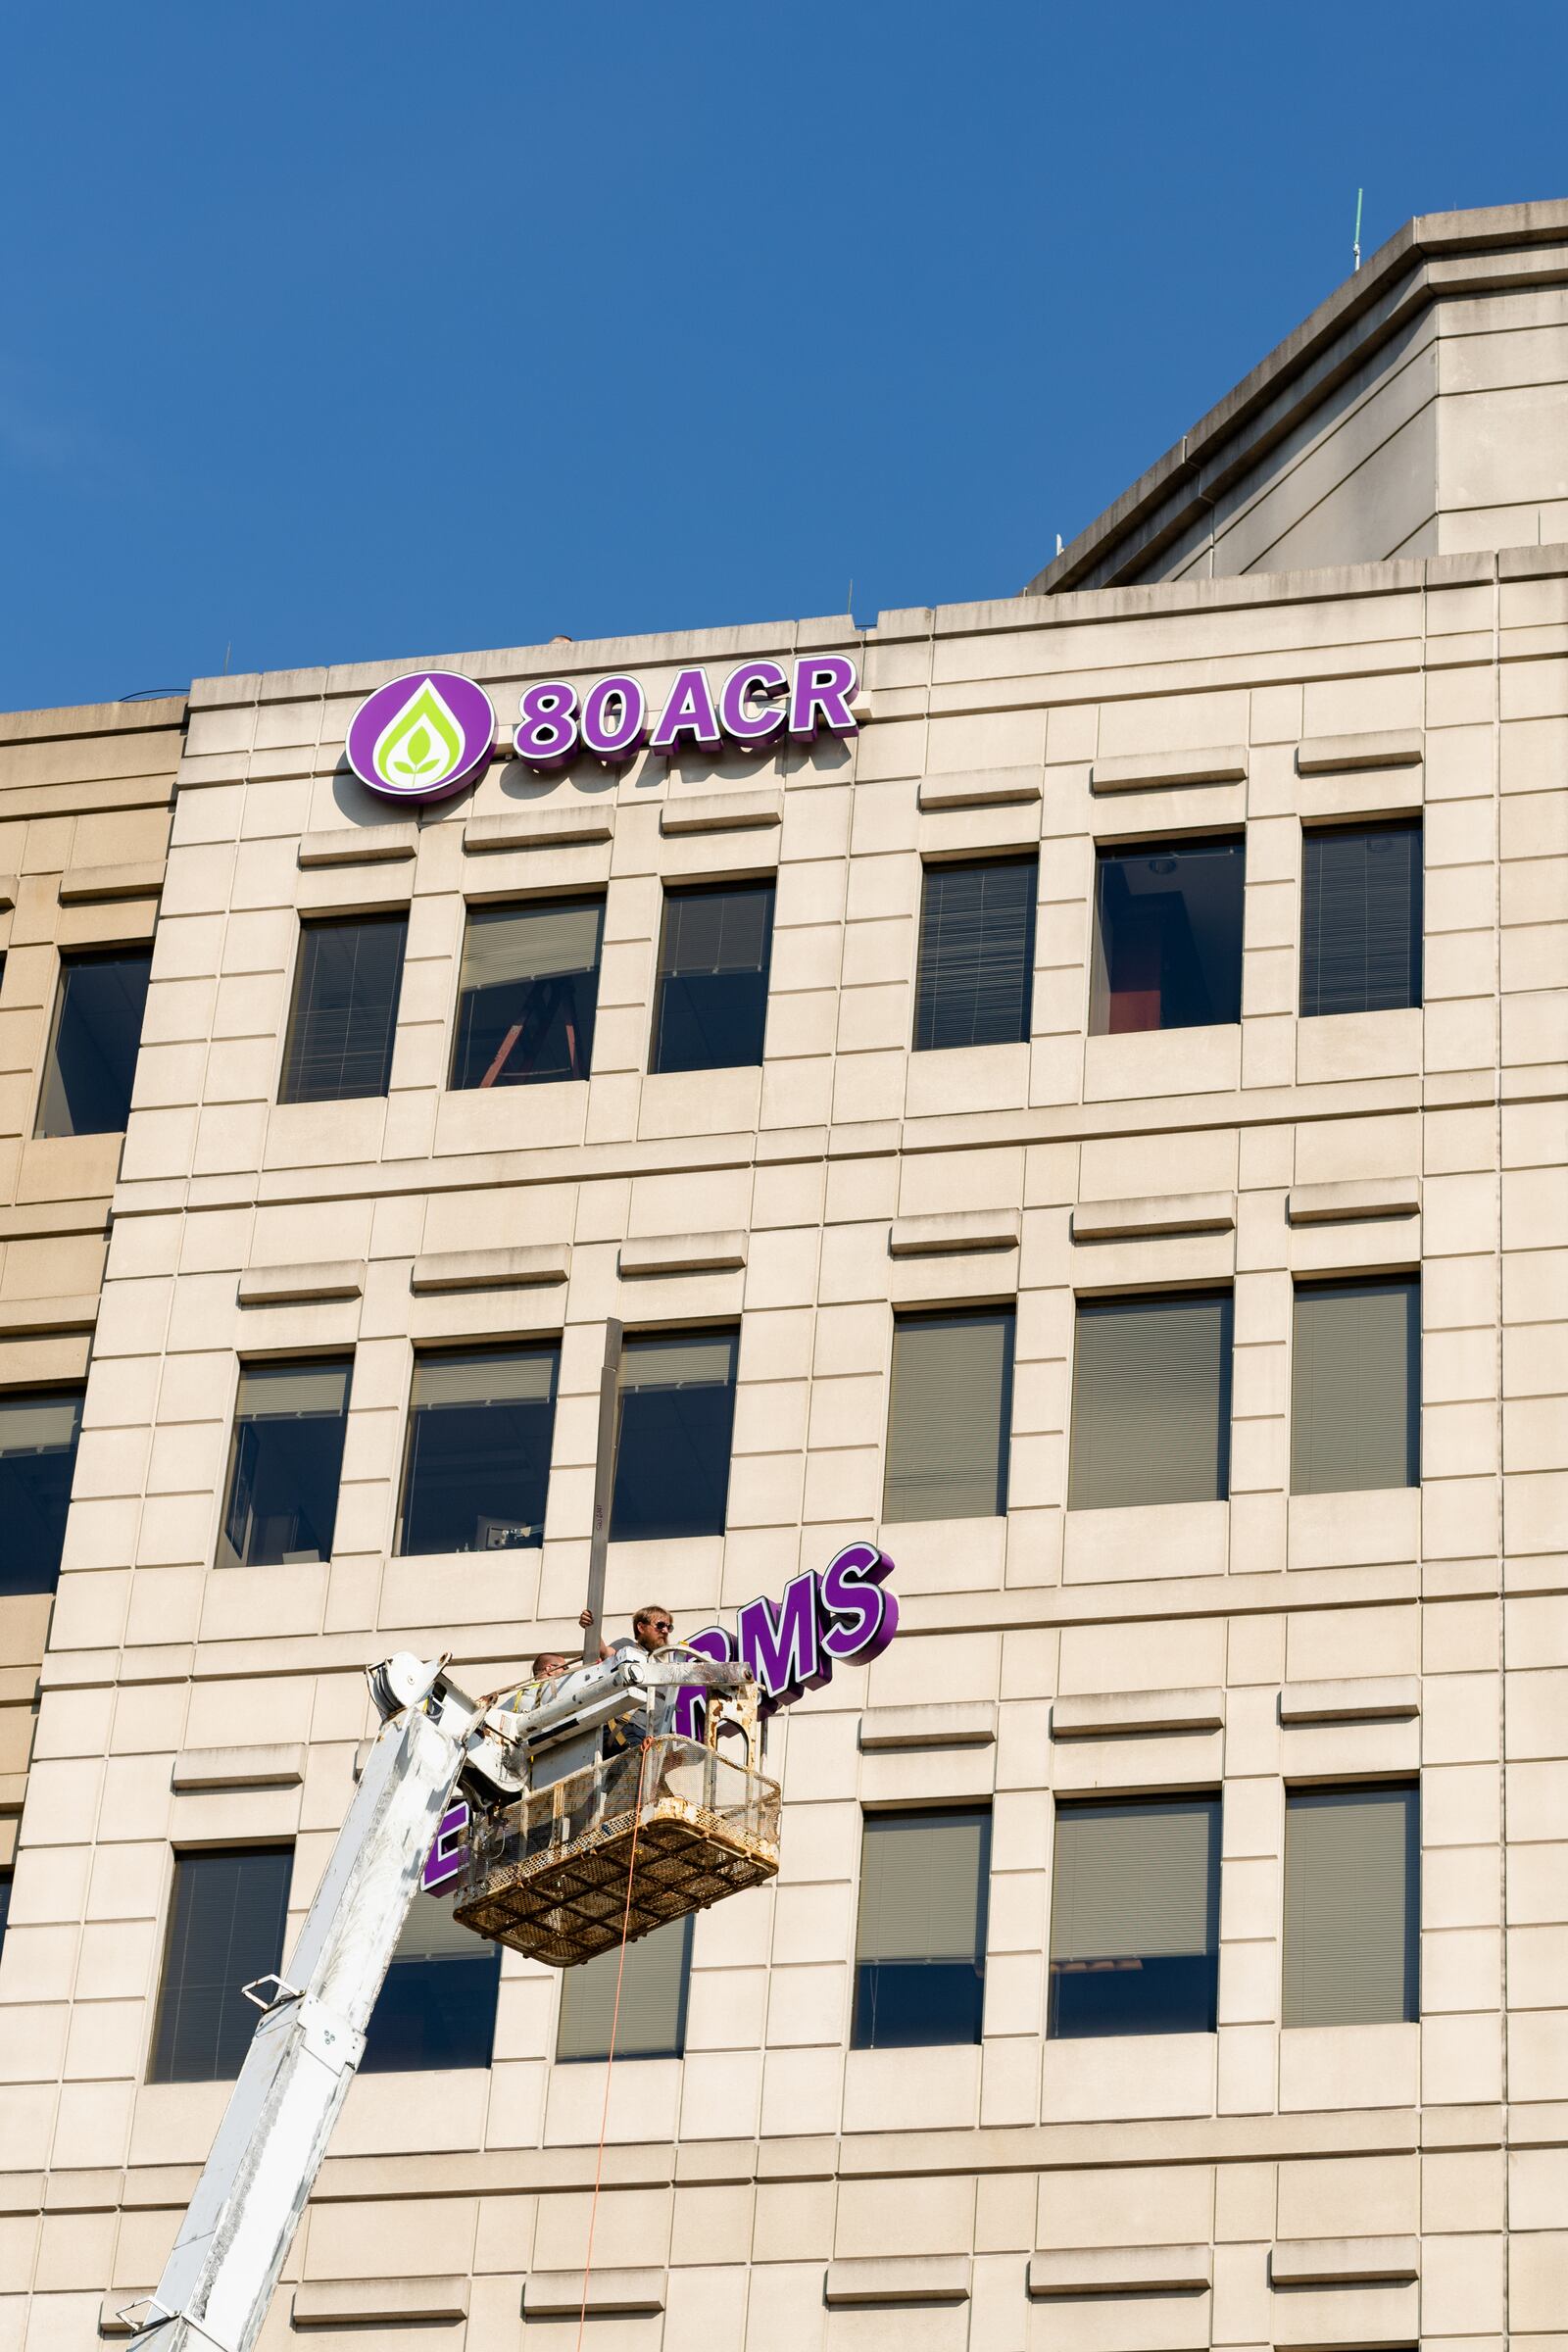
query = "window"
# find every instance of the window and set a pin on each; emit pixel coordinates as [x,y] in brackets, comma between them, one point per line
[1150,1402]
[528,993]
[477,1466]
[977,954]
[344,1010]
[653,2000]
[91,1061]
[1135,1918]
[1353,1906]
[284,1462]
[677,1409]
[38,1432]
[920,1939]
[950,1415]
[1355,1386]
[1362,917]
[710,1006]
[437,2006]
[5,1905]
[226,1929]
[1167,936]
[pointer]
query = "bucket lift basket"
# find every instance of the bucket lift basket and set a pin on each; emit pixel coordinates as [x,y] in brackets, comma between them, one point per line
[548,1873]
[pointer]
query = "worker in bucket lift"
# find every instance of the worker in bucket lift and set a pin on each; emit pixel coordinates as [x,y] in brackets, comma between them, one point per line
[548,1669]
[651,1629]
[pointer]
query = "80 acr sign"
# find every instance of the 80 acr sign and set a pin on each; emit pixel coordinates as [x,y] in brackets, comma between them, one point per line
[432,732]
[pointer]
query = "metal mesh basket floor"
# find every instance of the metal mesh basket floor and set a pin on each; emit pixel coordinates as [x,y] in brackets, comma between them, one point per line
[548,1875]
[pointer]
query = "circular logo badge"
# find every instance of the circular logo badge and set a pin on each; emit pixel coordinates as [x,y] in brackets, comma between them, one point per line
[422,736]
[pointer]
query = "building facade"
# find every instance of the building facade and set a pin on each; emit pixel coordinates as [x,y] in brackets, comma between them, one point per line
[1099,1131]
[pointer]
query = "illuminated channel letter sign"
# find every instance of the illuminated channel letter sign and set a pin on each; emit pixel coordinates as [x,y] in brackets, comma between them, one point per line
[842,1615]
[422,736]
[759,704]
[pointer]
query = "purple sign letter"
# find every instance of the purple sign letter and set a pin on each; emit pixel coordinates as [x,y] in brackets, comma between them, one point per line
[862,1617]
[688,711]
[824,684]
[690,1704]
[614,719]
[785,1652]
[547,730]
[744,711]
[448,1849]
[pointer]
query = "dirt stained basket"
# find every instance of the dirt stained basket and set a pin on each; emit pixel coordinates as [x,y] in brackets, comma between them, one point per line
[547,1875]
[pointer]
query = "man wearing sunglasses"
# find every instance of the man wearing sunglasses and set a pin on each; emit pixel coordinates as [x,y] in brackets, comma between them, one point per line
[651,1629]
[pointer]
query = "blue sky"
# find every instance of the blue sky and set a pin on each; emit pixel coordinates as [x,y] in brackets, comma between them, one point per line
[337,332]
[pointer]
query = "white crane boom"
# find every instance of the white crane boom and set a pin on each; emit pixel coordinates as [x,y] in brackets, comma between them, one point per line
[218,2280]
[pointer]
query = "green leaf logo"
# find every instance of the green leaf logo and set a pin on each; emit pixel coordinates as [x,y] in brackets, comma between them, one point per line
[422,743]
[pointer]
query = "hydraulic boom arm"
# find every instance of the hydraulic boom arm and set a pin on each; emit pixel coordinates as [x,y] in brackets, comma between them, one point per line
[218,2280]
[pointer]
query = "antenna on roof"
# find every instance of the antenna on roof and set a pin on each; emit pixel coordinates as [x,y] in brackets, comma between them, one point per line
[1356,247]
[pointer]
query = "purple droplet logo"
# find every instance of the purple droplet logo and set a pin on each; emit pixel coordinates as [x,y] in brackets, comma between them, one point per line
[422,736]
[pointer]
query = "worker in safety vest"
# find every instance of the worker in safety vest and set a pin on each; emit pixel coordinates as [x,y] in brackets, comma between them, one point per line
[651,1630]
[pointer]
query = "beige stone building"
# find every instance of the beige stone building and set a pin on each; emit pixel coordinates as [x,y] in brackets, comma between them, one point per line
[1102,1132]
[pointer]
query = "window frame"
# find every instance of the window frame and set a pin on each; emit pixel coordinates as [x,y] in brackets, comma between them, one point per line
[310,918]
[1224,1291]
[55,1391]
[1150,1799]
[278,1359]
[1405,821]
[189,1851]
[557,2057]
[67,959]
[424,1351]
[677,886]
[1169,845]
[984,860]
[930,1313]
[982,1808]
[1328,1284]
[1350,1784]
[692,1333]
[512,903]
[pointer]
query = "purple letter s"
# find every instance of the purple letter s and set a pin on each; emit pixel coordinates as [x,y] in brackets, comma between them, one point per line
[862,1617]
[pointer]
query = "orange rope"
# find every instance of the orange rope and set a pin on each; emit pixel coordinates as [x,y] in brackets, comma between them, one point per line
[609,2061]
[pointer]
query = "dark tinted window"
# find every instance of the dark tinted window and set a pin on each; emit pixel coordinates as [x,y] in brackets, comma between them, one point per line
[1353,1906]
[437,2006]
[528,993]
[284,1462]
[344,1010]
[1135,1918]
[91,1060]
[710,1008]
[977,954]
[950,1415]
[38,1432]
[477,1467]
[1150,1402]
[653,2000]
[1355,1386]
[920,1938]
[5,1905]
[1362,917]
[677,1408]
[1168,936]
[226,1929]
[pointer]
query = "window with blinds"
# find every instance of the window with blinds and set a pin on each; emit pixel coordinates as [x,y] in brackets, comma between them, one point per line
[677,1412]
[975,973]
[1135,1918]
[437,2005]
[950,1415]
[344,1014]
[285,1459]
[653,2000]
[476,1459]
[527,993]
[1355,1386]
[1362,917]
[225,1928]
[1352,1905]
[90,1063]
[1150,1402]
[38,1433]
[711,1000]
[1168,950]
[920,1937]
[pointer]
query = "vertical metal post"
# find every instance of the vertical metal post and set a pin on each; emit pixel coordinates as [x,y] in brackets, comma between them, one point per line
[604,1481]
